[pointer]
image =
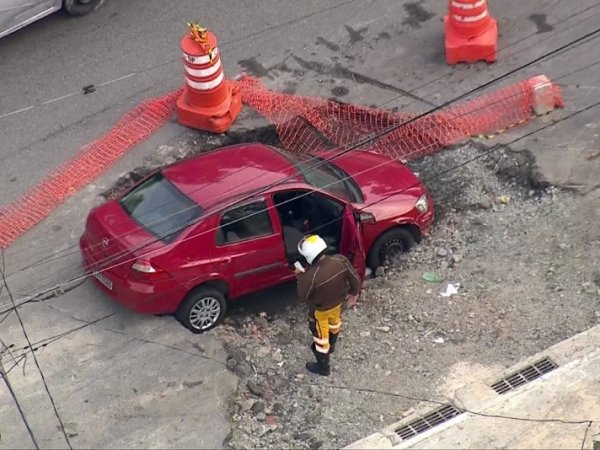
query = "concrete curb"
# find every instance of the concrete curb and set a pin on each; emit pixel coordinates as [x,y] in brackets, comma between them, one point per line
[479,396]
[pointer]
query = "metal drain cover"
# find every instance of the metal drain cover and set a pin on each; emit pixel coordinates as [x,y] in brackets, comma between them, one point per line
[432,419]
[524,376]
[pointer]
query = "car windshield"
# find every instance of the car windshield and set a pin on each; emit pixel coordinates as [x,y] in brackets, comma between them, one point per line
[326,176]
[160,208]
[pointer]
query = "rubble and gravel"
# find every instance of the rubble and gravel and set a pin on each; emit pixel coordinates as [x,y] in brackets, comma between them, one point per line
[523,255]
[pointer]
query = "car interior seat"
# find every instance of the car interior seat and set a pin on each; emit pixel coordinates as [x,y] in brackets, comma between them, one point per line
[231,236]
[291,237]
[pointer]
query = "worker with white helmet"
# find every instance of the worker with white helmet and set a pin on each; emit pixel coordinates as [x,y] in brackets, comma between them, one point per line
[327,282]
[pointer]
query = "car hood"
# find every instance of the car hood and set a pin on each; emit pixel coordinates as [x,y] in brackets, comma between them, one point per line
[380,178]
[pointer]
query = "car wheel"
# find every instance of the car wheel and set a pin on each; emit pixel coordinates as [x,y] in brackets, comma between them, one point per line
[389,246]
[202,309]
[80,7]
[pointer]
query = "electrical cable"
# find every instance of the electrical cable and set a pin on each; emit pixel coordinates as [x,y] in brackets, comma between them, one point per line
[387,131]
[509,45]
[462,164]
[468,411]
[84,276]
[154,239]
[62,426]
[19,407]
[436,79]
[125,253]
[51,339]
[224,44]
[68,248]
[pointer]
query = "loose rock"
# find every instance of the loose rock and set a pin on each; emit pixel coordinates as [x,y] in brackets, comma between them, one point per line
[404,339]
[255,388]
[441,252]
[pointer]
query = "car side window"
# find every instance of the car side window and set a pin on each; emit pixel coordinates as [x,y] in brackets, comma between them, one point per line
[244,222]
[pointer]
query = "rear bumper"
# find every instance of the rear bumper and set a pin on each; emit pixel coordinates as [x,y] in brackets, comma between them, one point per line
[161,297]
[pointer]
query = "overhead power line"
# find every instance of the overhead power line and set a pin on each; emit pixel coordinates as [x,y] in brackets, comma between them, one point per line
[359,144]
[37,364]
[584,39]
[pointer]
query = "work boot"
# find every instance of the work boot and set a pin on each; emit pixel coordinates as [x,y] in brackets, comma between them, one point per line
[319,368]
[332,340]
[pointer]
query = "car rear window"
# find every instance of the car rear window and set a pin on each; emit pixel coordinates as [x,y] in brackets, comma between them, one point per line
[160,208]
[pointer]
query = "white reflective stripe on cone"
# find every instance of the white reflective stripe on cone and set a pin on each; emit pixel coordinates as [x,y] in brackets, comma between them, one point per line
[478,4]
[199,59]
[199,73]
[205,85]
[470,18]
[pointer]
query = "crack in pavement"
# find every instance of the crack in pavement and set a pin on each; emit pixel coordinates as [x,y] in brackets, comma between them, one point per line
[343,72]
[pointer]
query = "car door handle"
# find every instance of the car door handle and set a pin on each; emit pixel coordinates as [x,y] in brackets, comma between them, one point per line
[225,260]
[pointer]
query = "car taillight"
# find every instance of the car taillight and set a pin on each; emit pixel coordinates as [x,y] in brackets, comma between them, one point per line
[144,271]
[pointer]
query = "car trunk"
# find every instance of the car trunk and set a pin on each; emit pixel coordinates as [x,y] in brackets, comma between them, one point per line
[113,240]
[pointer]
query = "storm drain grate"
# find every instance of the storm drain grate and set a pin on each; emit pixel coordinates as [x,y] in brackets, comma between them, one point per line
[432,419]
[524,376]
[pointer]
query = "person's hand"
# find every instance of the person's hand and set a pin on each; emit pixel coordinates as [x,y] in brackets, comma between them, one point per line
[298,269]
[352,300]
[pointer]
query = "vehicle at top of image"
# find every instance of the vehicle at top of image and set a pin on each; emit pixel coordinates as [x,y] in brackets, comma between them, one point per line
[195,234]
[15,14]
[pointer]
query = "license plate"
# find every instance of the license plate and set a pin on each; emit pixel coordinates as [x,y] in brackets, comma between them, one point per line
[103,279]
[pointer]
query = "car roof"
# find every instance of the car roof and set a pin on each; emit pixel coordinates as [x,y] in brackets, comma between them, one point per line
[229,172]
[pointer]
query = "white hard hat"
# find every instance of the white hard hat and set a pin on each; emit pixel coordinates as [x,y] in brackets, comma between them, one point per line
[311,246]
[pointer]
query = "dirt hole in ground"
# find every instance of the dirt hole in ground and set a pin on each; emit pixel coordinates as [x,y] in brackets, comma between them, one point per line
[197,144]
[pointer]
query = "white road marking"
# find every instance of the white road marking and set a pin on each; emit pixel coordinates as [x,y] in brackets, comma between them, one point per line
[62,97]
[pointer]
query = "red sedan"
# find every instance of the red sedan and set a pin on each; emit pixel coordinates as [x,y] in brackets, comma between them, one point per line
[205,230]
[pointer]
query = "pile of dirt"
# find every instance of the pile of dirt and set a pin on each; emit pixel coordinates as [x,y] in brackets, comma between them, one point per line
[521,256]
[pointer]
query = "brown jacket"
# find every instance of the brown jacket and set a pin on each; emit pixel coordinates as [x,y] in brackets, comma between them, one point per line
[327,282]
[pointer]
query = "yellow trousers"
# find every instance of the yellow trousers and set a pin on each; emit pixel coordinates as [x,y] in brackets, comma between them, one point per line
[325,326]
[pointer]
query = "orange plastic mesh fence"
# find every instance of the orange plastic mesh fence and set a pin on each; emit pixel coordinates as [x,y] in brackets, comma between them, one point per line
[308,124]
[135,126]
[304,124]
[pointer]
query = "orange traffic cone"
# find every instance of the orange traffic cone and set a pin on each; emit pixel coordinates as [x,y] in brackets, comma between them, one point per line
[209,102]
[471,33]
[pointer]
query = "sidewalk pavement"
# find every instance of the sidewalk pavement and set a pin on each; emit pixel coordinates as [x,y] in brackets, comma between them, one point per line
[559,410]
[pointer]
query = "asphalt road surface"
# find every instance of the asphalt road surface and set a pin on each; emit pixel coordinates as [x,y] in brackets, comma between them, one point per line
[128,380]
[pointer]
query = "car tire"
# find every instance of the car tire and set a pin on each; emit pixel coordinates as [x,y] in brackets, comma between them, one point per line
[398,239]
[80,7]
[202,309]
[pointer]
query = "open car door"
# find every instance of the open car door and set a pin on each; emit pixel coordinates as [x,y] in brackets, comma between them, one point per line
[351,244]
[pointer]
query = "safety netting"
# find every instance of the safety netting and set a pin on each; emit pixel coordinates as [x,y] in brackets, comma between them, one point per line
[309,124]
[304,124]
[75,173]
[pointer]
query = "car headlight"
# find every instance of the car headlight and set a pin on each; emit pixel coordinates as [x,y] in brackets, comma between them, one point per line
[422,204]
